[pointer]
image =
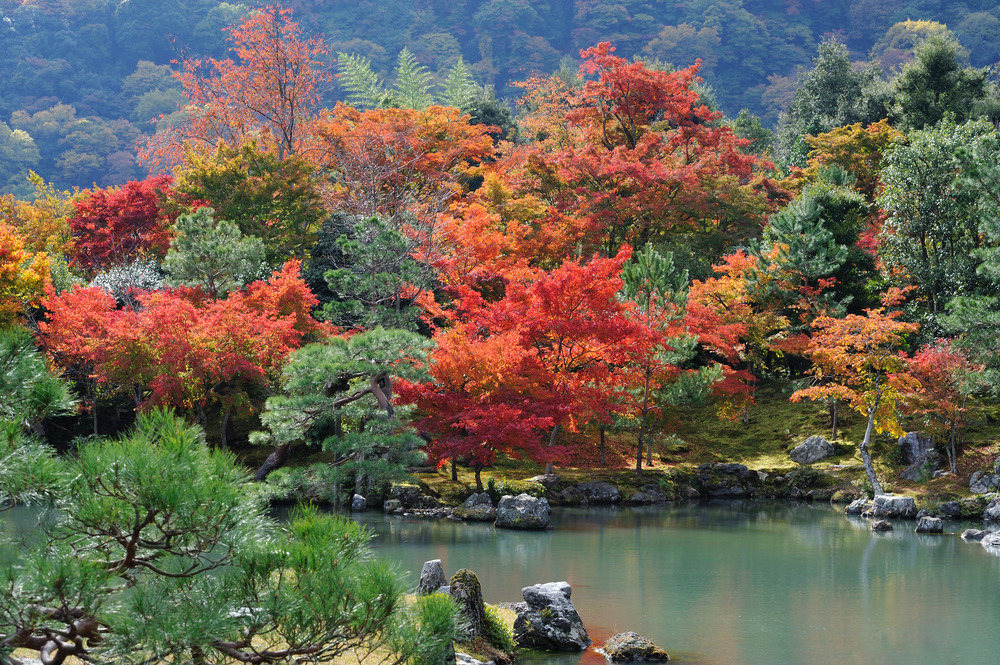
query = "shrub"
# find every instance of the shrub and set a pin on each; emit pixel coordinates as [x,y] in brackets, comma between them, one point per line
[498,633]
[499,488]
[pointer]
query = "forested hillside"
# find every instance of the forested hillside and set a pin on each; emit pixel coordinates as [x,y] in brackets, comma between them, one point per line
[80,80]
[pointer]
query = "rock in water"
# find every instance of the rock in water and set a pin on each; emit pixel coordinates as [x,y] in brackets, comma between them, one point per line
[432,578]
[856,507]
[392,506]
[992,512]
[893,506]
[599,493]
[359,503]
[523,512]
[878,526]
[930,525]
[477,508]
[974,534]
[549,621]
[991,543]
[468,595]
[813,449]
[466,659]
[633,648]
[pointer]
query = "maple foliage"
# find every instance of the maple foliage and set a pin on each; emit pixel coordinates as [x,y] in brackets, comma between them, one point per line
[113,226]
[857,359]
[632,154]
[179,348]
[23,275]
[42,222]
[857,148]
[266,91]
[946,380]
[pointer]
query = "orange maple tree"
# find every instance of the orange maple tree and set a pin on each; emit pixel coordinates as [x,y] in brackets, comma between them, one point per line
[23,275]
[858,359]
[268,90]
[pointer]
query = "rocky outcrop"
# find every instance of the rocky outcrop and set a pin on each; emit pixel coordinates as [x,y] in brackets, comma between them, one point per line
[548,620]
[982,482]
[930,525]
[879,526]
[546,480]
[523,512]
[466,659]
[432,578]
[991,514]
[856,507]
[359,503]
[892,506]
[974,534]
[919,455]
[727,481]
[633,648]
[412,496]
[599,493]
[477,508]
[991,543]
[647,495]
[467,593]
[812,450]
[392,506]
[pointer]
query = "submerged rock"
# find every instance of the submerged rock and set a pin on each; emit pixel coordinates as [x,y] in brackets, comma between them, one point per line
[893,506]
[812,450]
[432,578]
[548,620]
[477,508]
[633,648]
[523,512]
[599,493]
[467,593]
[930,525]
[879,526]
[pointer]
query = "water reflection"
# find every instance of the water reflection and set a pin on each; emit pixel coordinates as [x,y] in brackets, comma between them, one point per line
[737,583]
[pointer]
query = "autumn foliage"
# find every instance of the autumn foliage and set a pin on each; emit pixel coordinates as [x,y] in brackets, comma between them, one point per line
[113,226]
[23,275]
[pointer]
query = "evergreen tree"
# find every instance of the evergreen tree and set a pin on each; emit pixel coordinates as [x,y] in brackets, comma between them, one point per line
[936,84]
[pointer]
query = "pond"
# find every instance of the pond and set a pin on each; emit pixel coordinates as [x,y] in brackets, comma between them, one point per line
[737,584]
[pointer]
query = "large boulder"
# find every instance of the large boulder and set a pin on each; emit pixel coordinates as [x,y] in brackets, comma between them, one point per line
[633,648]
[467,593]
[466,659]
[546,480]
[599,493]
[928,524]
[358,503]
[727,481]
[548,620]
[649,494]
[892,506]
[991,543]
[992,512]
[919,455]
[856,507]
[879,526]
[477,508]
[412,496]
[432,578]
[975,534]
[523,512]
[812,450]
[982,482]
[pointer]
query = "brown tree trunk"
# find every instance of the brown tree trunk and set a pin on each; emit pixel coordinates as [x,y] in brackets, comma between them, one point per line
[604,452]
[274,461]
[479,478]
[226,430]
[454,470]
[549,467]
[833,417]
[865,455]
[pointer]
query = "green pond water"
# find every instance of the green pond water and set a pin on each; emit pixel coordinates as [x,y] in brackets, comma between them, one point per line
[737,584]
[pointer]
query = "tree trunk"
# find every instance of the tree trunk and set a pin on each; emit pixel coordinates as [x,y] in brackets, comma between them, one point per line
[274,461]
[479,478]
[833,418]
[865,455]
[226,430]
[604,452]
[454,470]
[549,467]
